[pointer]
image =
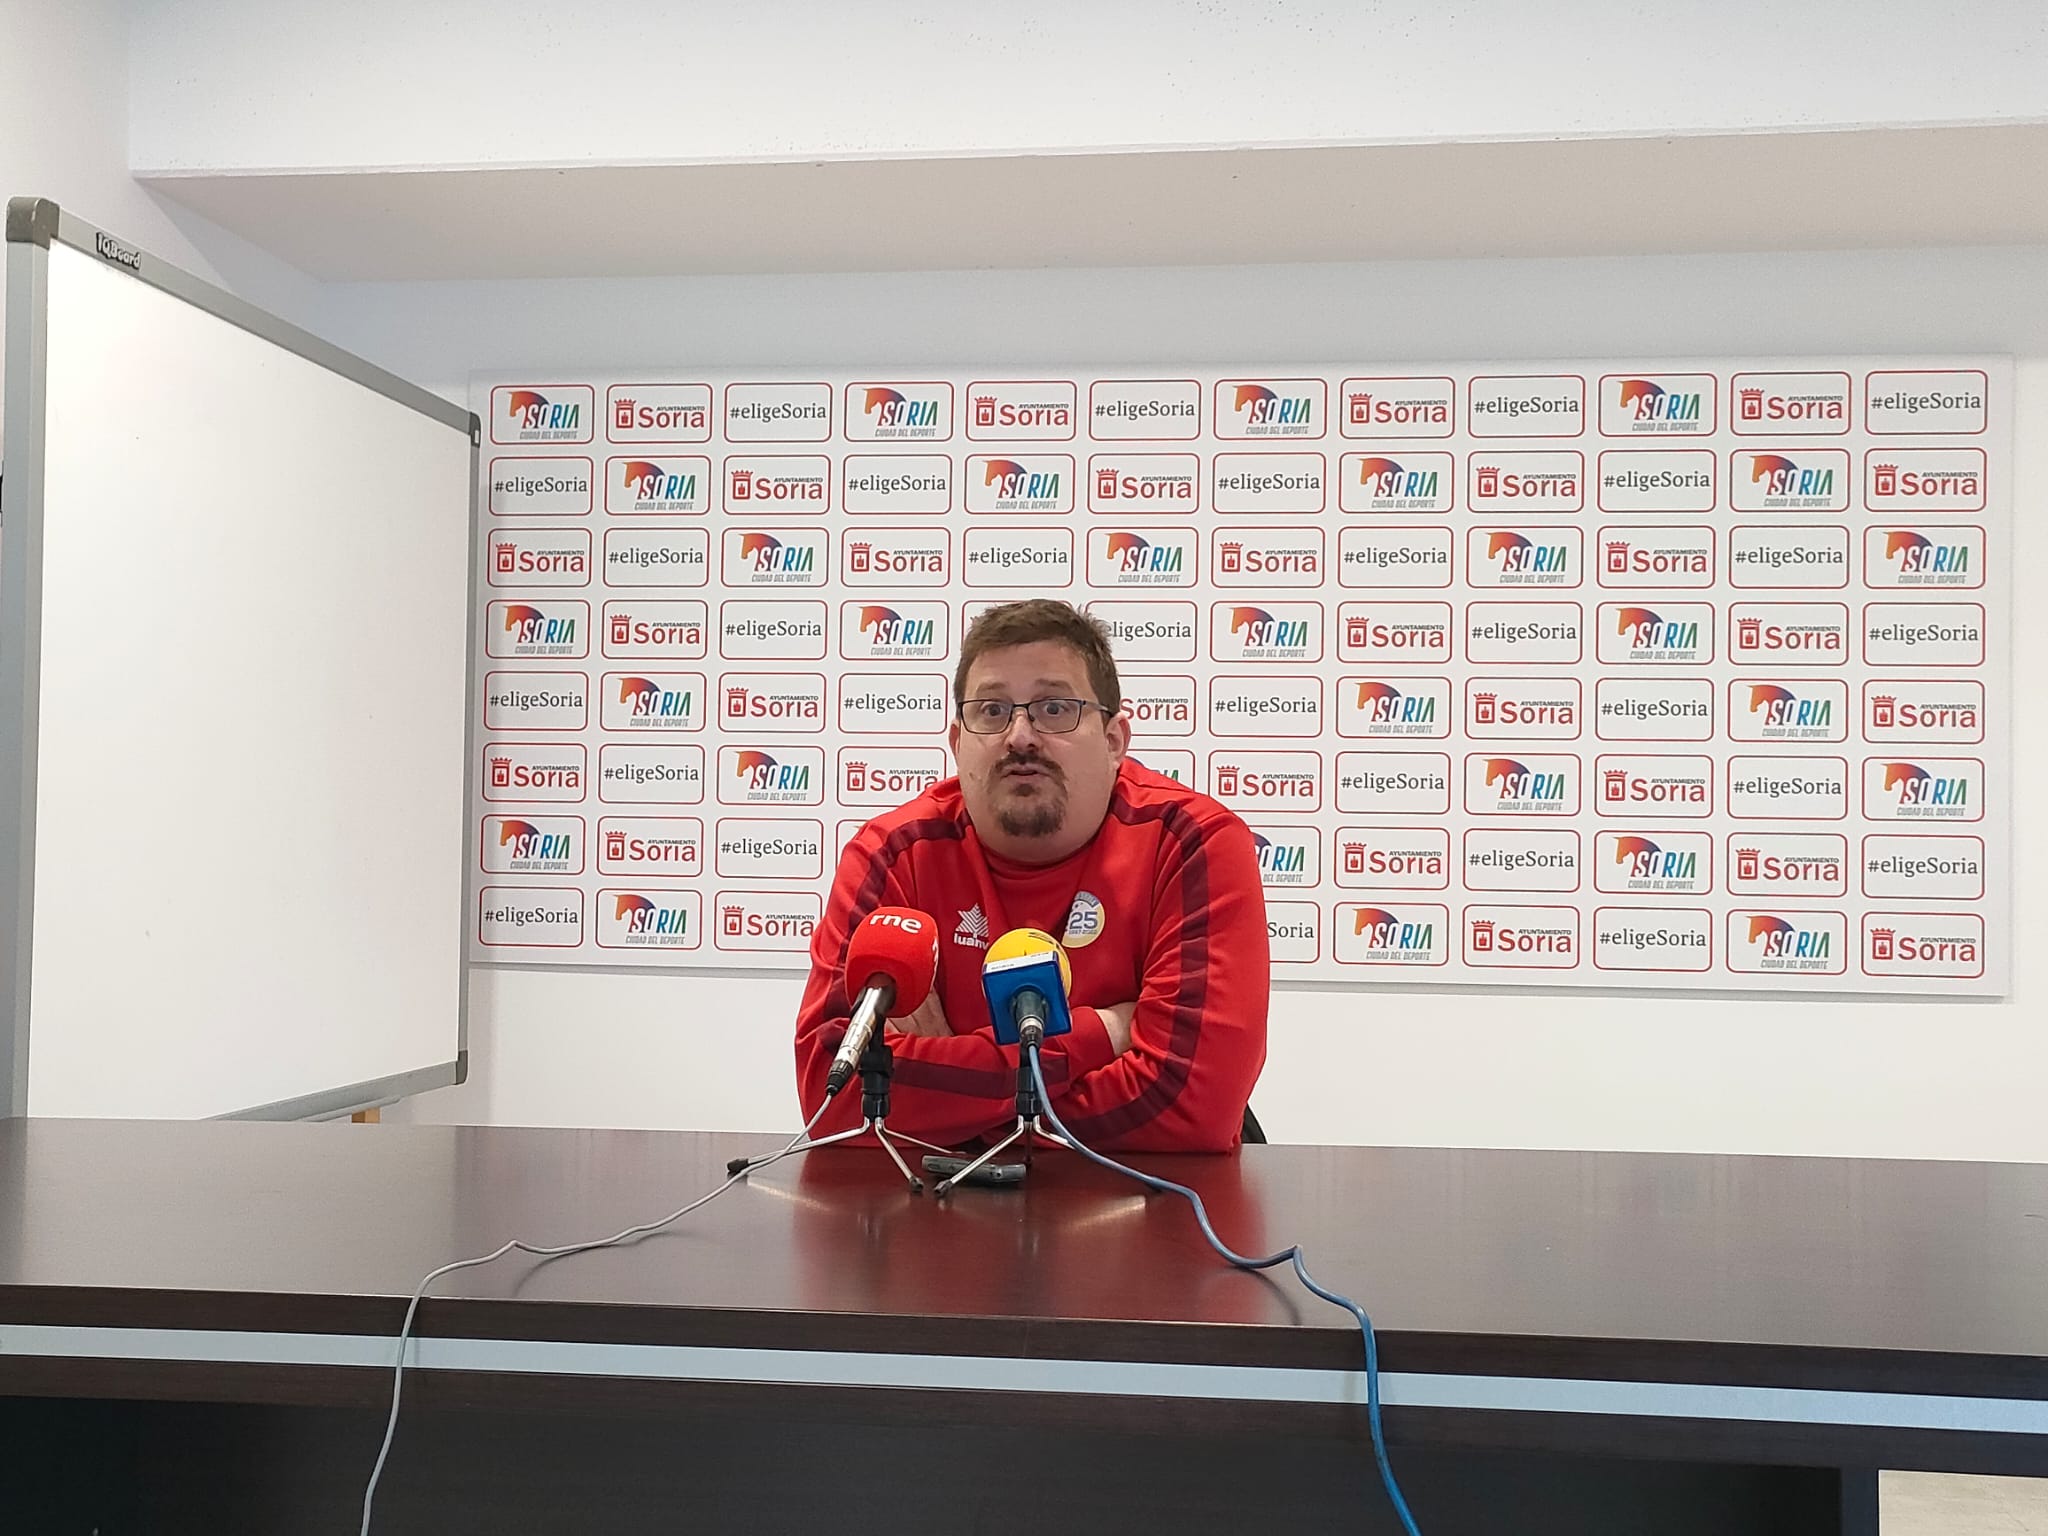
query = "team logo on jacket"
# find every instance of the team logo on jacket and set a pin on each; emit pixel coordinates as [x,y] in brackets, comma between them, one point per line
[1085,921]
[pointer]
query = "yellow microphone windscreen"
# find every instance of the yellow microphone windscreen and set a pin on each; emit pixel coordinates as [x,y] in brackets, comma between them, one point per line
[1031,941]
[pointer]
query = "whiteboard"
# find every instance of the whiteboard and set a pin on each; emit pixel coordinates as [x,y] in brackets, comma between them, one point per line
[233,685]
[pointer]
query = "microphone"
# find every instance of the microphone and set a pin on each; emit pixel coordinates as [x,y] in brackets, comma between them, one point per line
[1025,978]
[892,957]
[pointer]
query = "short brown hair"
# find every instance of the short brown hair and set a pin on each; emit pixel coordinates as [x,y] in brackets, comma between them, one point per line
[1043,618]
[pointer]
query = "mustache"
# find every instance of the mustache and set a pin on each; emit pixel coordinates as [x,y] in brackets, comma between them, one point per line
[1018,759]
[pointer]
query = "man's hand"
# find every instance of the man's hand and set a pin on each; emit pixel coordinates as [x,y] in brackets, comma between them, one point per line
[928,1018]
[1117,1020]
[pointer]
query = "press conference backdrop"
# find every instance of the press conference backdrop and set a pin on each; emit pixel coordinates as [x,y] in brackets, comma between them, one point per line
[234,622]
[1630,673]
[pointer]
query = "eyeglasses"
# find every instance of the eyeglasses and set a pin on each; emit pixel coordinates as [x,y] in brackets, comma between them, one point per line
[992,717]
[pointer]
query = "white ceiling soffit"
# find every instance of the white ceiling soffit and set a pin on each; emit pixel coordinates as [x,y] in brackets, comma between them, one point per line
[1570,197]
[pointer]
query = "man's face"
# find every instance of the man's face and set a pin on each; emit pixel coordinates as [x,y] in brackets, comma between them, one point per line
[1034,795]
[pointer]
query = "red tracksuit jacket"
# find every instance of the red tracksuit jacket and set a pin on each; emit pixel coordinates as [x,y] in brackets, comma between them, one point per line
[1179,927]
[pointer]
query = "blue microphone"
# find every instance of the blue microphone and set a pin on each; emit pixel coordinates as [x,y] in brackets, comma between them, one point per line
[1025,978]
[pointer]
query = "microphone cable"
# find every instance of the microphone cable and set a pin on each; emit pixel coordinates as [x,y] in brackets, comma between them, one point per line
[562,1251]
[1291,1254]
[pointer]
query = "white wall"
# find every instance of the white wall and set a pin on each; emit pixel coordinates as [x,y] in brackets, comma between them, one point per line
[1477,1068]
[277,84]
[64,135]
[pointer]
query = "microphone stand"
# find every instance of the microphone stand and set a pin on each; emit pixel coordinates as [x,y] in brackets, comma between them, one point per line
[877,1066]
[1030,1111]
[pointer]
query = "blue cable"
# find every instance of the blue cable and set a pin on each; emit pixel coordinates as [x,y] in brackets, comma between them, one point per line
[1372,1351]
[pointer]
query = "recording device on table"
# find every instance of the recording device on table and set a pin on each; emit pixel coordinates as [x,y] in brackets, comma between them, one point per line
[891,961]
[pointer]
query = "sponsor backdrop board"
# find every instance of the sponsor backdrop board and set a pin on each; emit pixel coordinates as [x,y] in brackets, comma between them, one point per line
[1640,674]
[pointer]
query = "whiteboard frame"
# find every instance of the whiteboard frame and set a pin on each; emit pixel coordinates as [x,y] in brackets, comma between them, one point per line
[32,225]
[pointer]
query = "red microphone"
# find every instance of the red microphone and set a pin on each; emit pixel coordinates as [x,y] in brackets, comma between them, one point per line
[892,958]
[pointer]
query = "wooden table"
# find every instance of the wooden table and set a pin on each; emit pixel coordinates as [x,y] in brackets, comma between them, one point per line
[196,1325]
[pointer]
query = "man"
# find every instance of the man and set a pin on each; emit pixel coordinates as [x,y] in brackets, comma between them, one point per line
[1154,890]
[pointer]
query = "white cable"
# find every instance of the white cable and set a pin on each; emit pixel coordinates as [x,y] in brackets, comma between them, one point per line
[419,1291]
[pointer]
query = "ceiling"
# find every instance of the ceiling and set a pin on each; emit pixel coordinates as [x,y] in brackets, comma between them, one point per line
[1878,188]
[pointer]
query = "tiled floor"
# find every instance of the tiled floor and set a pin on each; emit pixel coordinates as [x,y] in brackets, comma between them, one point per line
[1921,1504]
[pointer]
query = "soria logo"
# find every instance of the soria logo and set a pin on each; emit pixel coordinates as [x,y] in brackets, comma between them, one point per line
[1793,404]
[882,412]
[1270,408]
[549,413]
